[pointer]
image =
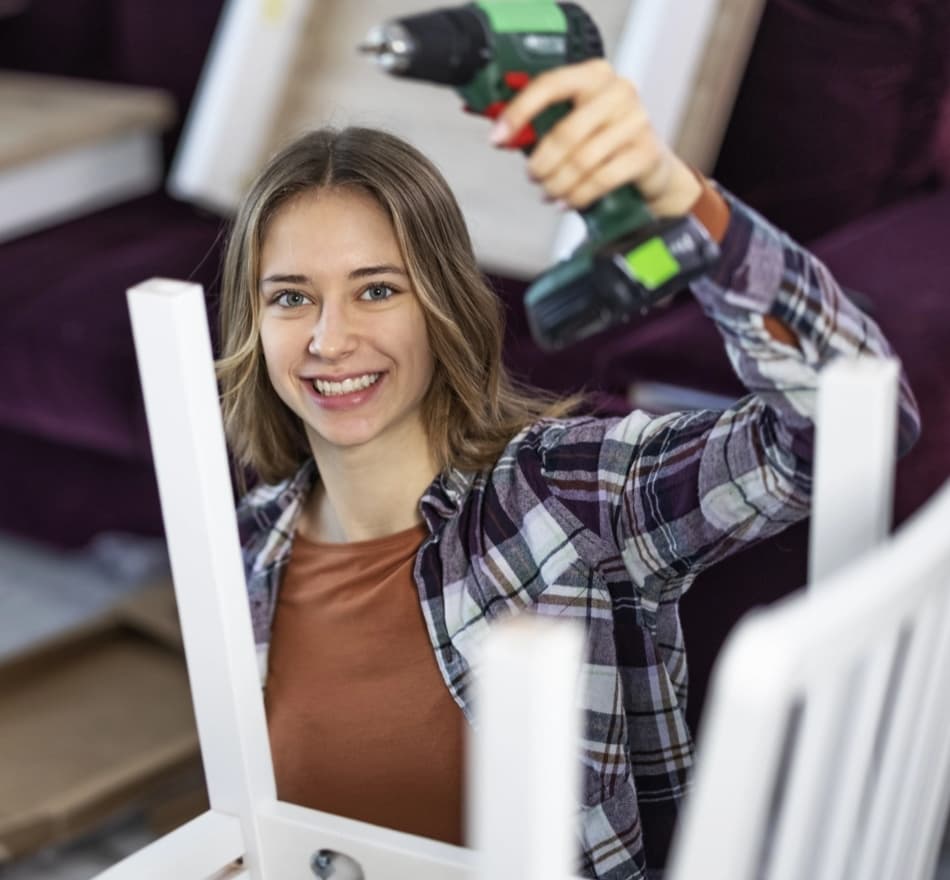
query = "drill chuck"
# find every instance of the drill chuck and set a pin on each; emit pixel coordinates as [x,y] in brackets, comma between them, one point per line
[392,45]
[448,46]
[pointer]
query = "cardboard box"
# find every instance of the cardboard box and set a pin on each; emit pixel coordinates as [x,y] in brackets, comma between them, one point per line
[97,721]
[71,146]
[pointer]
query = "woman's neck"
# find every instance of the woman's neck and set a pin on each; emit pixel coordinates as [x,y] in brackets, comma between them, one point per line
[367,492]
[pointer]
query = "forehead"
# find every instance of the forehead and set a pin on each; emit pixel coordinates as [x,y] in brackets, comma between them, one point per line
[330,227]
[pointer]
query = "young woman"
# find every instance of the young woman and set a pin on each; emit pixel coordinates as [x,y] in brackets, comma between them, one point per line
[411,493]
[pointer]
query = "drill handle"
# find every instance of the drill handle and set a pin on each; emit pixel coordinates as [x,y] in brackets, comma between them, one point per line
[617,213]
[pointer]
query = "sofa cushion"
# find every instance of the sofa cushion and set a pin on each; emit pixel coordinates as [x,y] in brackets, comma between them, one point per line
[66,350]
[838,111]
[64,495]
[943,142]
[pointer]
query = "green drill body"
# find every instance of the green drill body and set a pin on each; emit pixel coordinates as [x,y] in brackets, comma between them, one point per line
[518,33]
[629,259]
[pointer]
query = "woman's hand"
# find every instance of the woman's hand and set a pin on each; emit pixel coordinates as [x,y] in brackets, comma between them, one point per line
[605,141]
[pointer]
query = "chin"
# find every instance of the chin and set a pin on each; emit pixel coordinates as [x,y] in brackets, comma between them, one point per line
[344,439]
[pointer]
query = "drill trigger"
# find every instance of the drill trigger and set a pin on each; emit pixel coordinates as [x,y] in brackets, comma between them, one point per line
[524,138]
[517,79]
[495,109]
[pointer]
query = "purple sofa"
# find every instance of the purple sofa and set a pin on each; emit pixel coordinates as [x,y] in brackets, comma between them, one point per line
[836,135]
[74,452]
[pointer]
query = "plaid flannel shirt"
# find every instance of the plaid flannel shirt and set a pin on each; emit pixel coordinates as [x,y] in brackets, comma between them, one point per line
[609,521]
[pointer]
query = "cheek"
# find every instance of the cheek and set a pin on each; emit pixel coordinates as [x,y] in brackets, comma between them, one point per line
[268,348]
[276,351]
[423,360]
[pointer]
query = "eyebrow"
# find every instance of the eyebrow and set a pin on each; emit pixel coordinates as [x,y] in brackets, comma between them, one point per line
[361,272]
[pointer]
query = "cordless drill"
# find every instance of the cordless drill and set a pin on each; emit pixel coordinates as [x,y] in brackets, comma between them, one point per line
[488,51]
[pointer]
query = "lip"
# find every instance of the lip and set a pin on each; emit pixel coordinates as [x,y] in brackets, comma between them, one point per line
[352,400]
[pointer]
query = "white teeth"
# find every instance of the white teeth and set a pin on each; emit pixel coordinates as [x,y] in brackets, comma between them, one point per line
[347,386]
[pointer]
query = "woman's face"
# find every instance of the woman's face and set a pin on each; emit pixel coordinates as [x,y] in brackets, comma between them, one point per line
[343,333]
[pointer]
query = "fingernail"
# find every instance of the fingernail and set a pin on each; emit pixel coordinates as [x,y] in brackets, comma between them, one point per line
[500,133]
[561,205]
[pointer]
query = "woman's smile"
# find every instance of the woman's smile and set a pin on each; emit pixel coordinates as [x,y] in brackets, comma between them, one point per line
[347,393]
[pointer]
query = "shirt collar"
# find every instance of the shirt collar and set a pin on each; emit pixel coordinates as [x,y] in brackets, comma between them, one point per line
[267,503]
[441,501]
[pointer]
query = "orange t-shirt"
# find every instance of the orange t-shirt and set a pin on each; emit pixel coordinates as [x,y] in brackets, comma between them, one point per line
[361,722]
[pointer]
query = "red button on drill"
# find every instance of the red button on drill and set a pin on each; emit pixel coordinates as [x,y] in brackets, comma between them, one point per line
[517,79]
[524,138]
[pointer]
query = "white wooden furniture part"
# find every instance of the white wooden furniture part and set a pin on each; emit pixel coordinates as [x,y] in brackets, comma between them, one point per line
[856,433]
[278,840]
[278,67]
[824,752]
[886,815]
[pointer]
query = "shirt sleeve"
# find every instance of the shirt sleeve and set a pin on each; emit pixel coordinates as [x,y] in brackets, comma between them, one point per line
[677,493]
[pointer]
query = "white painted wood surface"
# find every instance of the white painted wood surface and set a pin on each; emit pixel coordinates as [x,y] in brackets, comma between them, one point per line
[855,450]
[824,751]
[278,840]
[524,776]
[173,349]
[232,113]
[198,849]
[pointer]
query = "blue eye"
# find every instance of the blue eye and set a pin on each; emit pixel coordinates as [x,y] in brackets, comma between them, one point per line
[377,292]
[291,299]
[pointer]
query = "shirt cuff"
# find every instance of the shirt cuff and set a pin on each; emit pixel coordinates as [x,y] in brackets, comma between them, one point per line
[711,210]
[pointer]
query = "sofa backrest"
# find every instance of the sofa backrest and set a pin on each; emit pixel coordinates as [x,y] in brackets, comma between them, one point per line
[839,110]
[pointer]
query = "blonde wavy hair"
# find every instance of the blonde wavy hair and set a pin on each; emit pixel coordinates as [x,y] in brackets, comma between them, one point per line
[473,407]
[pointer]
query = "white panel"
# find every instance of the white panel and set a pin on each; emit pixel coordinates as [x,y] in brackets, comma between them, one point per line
[173,348]
[855,440]
[292,835]
[524,773]
[659,49]
[766,665]
[855,772]
[194,851]
[69,184]
[233,109]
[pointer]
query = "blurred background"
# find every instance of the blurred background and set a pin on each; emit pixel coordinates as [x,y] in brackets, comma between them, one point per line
[831,117]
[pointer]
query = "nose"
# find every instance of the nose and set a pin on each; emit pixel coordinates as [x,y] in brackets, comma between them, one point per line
[333,337]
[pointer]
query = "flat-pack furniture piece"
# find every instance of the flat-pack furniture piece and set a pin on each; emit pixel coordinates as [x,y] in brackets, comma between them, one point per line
[96,719]
[825,751]
[278,69]
[528,666]
[824,726]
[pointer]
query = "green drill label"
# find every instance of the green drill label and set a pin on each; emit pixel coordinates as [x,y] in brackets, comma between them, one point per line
[652,264]
[514,18]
